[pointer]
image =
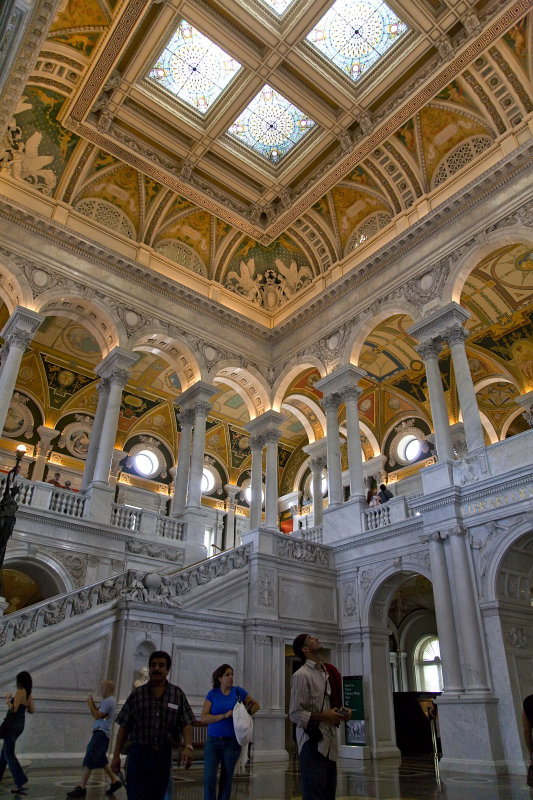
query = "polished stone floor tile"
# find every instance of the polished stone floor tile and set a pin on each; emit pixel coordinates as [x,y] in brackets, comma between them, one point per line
[411,780]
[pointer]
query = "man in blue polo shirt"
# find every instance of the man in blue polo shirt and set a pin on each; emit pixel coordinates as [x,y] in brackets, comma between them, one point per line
[96,753]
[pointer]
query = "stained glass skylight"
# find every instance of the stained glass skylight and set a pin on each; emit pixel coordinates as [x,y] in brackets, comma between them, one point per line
[279,6]
[354,34]
[271,125]
[194,68]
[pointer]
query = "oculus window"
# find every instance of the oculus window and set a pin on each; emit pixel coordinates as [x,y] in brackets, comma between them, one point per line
[354,35]
[193,68]
[209,480]
[146,463]
[271,125]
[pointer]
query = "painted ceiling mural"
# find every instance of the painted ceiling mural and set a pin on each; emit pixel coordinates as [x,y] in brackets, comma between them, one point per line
[462,120]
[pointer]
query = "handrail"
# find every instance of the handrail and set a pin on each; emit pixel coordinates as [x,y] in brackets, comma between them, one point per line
[143,587]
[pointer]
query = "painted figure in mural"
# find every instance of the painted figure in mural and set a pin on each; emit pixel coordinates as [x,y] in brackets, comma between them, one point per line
[153,715]
[317,711]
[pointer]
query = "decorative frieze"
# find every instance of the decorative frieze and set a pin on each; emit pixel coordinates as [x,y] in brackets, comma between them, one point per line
[302,551]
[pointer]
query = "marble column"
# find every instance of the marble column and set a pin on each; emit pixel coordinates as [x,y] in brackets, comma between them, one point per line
[96,432]
[394,671]
[271,479]
[186,419]
[46,436]
[456,337]
[449,650]
[232,491]
[475,673]
[115,366]
[267,427]
[201,410]
[317,467]
[256,481]
[331,406]
[404,672]
[429,352]
[18,333]
[351,395]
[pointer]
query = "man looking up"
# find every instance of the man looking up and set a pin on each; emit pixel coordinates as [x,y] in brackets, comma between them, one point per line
[314,693]
[96,754]
[151,716]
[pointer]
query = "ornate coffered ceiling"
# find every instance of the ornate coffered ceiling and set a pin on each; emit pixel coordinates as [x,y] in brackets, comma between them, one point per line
[104,142]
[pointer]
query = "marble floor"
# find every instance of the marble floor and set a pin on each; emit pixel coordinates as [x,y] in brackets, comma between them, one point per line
[413,779]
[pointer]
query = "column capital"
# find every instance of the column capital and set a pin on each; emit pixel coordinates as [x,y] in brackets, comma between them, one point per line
[257,442]
[431,348]
[18,338]
[118,359]
[22,319]
[455,334]
[119,377]
[201,408]
[526,402]
[318,463]
[316,449]
[199,391]
[350,393]
[426,538]
[266,424]
[103,386]
[434,324]
[46,435]
[331,402]
[186,417]
[345,377]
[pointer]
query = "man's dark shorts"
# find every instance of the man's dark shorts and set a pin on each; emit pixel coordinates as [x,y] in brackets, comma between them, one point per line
[96,753]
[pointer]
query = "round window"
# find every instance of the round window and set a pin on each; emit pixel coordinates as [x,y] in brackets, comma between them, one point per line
[146,463]
[409,448]
[248,495]
[208,481]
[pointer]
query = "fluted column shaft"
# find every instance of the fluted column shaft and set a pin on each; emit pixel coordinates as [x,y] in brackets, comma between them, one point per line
[474,664]
[271,499]
[331,405]
[186,418]
[317,465]
[355,457]
[96,433]
[256,501]
[429,351]
[456,337]
[117,381]
[451,665]
[201,410]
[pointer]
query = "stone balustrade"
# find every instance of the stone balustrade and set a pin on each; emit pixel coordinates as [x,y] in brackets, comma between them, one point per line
[310,534]
[140,587]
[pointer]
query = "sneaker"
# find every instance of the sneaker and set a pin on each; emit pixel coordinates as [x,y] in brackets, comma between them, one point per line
[77,792]
[113,788]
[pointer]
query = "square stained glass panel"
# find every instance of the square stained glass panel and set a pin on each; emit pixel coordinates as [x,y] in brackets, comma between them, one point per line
[354,34]
[271,125]
[193,68]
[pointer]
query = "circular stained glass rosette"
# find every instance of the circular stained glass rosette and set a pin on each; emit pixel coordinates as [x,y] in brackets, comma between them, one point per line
[354,35]
[271,125]
[193,68]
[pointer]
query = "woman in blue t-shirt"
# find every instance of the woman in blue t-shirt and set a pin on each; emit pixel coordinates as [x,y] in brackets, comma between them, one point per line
[221,746]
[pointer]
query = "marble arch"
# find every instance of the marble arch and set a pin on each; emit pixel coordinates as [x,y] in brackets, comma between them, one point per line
[155,340]
[509,421]
[362,330]
[49,574]
[381,588]
[290,373]
[315,409]
[90,313]
[300,416]
[15,289]
[251,385]
[479,249]
[504,536]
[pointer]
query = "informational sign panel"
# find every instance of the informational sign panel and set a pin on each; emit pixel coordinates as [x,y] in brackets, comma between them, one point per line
[353,699]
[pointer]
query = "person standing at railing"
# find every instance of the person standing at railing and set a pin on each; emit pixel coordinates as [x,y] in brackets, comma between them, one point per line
[372,498]
[384,494]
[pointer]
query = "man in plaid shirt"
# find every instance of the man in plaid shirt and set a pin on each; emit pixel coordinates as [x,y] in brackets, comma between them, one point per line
[151,717]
